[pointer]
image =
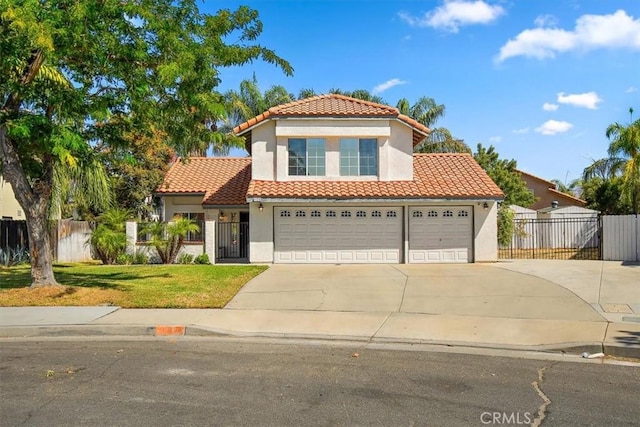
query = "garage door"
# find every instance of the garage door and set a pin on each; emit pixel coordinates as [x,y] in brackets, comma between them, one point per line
[338,235]
[440,234]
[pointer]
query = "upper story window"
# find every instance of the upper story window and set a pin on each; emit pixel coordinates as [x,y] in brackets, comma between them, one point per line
[358,157]
[307,157]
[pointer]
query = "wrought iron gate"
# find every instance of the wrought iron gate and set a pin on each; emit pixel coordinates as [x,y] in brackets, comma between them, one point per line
[233,242]
[555,238]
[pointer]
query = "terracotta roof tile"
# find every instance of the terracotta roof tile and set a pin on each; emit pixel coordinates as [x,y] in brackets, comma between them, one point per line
[221,180]
[435,176]
[334,105]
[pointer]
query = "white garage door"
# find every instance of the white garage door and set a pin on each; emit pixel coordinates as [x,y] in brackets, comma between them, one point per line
[338,235]
[440,234]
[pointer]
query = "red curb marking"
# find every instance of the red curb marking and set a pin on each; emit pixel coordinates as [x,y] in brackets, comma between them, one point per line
[162,330]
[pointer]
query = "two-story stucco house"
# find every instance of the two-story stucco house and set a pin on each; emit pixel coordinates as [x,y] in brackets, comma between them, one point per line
[332,179]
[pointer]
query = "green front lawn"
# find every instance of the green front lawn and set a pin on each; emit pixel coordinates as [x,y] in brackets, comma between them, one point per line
[130,286]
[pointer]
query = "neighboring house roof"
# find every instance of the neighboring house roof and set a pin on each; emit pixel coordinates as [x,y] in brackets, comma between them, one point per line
[221,180]
[435,176]
[334,105]
[551,189]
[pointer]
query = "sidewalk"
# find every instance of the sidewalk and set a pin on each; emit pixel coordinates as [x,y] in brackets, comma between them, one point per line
[611,292]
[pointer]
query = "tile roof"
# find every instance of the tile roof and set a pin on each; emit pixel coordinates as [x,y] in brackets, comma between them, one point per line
[435,176]
[221,180]
[334,105]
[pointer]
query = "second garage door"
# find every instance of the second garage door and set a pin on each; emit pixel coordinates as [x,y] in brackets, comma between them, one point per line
[440,234]
[338,235]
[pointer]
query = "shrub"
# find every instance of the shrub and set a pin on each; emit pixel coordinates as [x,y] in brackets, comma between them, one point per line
[202,259]
[124,259]
[140,258]
[109,239]
[168,239]
[185,259]
[11,257]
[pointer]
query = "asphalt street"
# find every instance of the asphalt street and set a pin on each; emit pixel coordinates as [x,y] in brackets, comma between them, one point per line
[218,382]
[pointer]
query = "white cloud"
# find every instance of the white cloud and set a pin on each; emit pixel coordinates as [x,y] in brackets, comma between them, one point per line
[546,21]
[617,30]
[631,89]
[454,14]
[520,131]
[588,100]
[387,85]
[552,127]
[547,106]
[496,138]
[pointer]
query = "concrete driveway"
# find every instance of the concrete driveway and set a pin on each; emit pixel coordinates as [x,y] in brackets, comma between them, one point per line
[482,290]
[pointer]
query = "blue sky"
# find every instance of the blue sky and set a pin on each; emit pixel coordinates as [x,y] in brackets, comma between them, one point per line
[540,80]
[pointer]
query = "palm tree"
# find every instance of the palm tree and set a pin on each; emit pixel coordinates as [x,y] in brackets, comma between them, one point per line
[245,104]
[169,238]
[362,94]
[571,188]
[427,112]
[624,151]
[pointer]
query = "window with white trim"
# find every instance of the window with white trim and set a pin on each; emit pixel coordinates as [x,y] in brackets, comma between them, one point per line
[358,157]
[345,214]
[361,214]
[307,157]
[301,214]
[376,214]
[432,214]
[417,214]
[285,214]
[447,213]
[463,213]
[330,214]
[315,214]
[391,214]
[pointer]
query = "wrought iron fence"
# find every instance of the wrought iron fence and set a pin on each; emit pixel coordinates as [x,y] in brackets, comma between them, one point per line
[554,238]
[233,241]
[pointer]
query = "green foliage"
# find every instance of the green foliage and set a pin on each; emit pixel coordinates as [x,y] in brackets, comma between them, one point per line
[109,239]
[247,103]
[83,73]
[137,169]
[506,228]
[185,258]
[605,195]
[202,259]
[168,239]
[612,185]
[503,173]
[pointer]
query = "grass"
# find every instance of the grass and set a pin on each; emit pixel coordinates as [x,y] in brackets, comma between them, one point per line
[547,253]
[130,286]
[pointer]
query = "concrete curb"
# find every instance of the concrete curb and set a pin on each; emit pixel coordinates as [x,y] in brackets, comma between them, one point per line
[196,331]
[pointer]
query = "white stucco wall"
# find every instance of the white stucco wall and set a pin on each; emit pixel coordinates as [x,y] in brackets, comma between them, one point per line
[485,224]
[485,246]
[261,233]
[263,151]
[398,154]
[270,147]
[9,206]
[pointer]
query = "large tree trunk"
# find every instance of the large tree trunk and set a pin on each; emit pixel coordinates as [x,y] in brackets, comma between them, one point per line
[34,201]
[40,246]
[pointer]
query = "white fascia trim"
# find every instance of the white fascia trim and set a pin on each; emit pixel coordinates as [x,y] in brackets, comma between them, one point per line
[360,201]
[323,118]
